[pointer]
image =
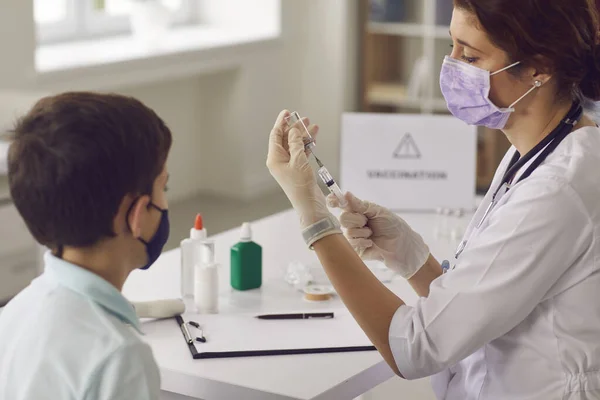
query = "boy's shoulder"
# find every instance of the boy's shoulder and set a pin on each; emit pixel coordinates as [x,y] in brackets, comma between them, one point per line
[63,320]
[67,336]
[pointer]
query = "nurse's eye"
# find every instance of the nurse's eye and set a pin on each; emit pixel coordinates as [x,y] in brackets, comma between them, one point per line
[469,60]
[166,188]
[463,57]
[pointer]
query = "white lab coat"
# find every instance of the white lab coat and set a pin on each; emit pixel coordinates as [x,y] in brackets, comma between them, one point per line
[519,315]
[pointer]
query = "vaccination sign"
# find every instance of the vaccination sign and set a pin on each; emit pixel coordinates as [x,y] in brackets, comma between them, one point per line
[409,162]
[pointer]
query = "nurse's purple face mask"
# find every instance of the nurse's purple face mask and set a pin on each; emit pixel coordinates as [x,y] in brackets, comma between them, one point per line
[466,89]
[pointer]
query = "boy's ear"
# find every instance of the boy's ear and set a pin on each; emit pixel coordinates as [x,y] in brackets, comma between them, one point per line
[136,214]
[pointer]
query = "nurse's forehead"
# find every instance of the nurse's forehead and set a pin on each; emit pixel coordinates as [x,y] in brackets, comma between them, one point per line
[465,27]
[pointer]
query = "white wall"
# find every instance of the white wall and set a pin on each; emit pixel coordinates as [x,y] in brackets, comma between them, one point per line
[17,40]
[221,121]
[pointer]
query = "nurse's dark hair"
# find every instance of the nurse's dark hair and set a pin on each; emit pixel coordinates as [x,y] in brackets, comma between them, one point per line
[73,159]
[558,36]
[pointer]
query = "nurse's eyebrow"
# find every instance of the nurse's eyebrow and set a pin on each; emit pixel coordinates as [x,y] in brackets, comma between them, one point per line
[463,43]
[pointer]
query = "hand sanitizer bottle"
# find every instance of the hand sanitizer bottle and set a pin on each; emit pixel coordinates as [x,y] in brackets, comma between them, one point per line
[191,255]
[246,262]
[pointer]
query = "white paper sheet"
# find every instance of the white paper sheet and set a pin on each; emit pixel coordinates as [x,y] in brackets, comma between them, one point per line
[226,333]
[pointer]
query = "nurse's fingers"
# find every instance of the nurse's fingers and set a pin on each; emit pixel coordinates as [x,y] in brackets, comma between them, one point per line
[281,119]
[333,201]
[314,131]
[302,125]
[286,130]
[356,204]
[278,153]
[280,122]
[305,121]
[359,233]
[296,143]
[276,136]
[352,220]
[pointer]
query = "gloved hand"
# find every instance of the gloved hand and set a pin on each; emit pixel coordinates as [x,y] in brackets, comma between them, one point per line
[376,233]
[288,163]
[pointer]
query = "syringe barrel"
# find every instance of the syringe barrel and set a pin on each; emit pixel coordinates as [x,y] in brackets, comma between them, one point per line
[309,141]
[325,176]
[337,192]
[332,186]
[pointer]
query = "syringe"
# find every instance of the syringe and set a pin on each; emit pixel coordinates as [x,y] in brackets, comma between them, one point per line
[309,145]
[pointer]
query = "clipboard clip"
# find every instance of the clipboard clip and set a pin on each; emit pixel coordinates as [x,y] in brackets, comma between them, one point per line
[185,331]
[200,338]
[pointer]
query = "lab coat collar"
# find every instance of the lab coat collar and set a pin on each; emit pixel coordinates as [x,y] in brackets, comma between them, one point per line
[91,286]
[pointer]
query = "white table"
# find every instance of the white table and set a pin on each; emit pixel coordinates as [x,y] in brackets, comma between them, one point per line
[314,376]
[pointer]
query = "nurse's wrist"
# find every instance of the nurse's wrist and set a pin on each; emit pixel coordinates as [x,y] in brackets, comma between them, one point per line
[326,226]
[310,205]
[311,217]
[427,273]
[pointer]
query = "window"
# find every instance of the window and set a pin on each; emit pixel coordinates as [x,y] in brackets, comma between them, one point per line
[65,20]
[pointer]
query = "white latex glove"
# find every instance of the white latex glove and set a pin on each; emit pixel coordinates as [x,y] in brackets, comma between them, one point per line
[376,233]
[288,163]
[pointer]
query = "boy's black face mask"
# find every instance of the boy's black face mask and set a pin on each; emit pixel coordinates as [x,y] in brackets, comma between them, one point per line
[155,245]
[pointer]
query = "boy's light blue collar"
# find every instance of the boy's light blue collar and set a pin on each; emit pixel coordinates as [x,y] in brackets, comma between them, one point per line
[91,286]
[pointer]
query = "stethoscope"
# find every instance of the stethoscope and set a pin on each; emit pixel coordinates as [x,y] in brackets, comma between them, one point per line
[544,148]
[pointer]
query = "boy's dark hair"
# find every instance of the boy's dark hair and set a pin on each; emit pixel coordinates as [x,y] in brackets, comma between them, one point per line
[73,159]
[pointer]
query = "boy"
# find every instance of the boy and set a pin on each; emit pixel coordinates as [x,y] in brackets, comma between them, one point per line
[87,174]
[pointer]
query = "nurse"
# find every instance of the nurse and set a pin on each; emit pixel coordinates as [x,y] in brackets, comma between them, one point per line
[517,316]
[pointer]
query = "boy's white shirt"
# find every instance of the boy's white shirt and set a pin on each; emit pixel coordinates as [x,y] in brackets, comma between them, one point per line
[71,335]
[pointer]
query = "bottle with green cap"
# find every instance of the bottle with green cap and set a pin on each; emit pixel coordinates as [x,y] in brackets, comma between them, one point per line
[246,262]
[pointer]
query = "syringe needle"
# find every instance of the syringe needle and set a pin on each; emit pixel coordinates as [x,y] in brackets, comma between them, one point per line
[319,163]
[322,172]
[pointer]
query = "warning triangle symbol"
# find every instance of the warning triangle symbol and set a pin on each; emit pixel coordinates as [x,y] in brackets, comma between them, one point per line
[407,149]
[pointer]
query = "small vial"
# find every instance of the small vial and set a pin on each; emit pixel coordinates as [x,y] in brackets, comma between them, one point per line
[309,141]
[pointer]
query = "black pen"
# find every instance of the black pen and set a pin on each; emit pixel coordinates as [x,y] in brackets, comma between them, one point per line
[297,316]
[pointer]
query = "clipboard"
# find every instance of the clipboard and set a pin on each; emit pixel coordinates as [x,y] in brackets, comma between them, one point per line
[237,353]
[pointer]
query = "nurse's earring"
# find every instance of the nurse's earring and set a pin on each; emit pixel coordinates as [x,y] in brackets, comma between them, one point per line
[537,84]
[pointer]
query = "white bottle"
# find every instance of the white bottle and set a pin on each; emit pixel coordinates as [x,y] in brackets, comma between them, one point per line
[206,281]
[191,250]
